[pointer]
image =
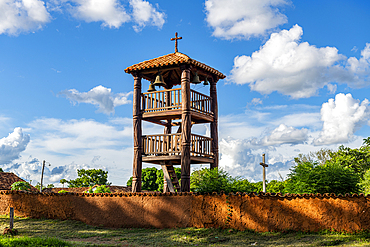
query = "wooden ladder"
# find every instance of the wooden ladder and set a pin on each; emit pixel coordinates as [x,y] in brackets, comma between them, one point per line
[170,176]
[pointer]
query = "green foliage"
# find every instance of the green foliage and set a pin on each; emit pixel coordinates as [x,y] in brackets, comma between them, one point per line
[32,241]
[275,186]
[365,183]
[152,179]
[310,177]
[320,156]
[1,170]
[63,191]
[358,158]
[21,185]
[88,178]
[213,180]
[63,181]
[99,189]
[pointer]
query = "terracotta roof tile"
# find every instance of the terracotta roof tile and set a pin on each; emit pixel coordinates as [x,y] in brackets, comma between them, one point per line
[8,178]
[176,58]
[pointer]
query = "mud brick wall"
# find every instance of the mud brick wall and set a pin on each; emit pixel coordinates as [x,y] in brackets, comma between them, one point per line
[262,212]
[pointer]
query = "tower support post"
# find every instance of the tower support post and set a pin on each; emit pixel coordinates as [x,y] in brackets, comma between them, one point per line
[214,123]
[137,118]
[186,129]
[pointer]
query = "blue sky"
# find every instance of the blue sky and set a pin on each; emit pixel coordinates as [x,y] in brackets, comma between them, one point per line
[297,79]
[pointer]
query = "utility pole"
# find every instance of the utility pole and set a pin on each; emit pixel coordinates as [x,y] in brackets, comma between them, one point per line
[264,165]
[42,174]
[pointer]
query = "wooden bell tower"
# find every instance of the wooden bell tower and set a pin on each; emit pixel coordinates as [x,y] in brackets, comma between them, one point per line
[174,106]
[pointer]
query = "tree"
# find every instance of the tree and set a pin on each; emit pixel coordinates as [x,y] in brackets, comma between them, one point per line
[21,185]
[63,181]
[320,156]
[211,180]
[310,177]
[275,186]
[1,170]
[152,179]
[88,178]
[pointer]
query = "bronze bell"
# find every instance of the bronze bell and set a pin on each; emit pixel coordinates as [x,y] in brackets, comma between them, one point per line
[205,83]
[151,87]
[159,82]
[196,78]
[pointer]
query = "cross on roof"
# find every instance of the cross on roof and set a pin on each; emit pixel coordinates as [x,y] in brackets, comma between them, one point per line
[175,39]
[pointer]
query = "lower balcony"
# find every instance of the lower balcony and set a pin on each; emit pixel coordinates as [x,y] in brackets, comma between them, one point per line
[167,147]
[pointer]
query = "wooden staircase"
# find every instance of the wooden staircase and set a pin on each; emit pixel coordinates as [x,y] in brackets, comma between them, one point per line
[170,177]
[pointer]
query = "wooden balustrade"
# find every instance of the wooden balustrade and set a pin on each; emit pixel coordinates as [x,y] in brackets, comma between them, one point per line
[156,101]
[200,102]
[170,144]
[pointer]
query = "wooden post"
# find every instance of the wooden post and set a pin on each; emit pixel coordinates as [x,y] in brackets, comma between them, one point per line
[263,164]
[11,216]
[167,130]
[186,129]
[42,174]
[137,162]
[214,124]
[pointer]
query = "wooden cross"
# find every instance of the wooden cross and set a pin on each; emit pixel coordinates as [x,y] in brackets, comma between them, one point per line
[264,165]
[175,39]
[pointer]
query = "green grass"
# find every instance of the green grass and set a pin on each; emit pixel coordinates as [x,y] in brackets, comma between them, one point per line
[46,232]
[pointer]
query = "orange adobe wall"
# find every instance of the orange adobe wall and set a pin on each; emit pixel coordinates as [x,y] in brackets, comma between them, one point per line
[262,212]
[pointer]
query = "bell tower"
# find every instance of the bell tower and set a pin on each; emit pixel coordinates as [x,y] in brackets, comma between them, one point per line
[175,105]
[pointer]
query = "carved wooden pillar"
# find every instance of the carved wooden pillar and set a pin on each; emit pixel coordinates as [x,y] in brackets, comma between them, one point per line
[186,129]
[167,130]
[137,162]
[214,124]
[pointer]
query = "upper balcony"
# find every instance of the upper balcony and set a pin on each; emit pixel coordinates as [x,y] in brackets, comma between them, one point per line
[166,104]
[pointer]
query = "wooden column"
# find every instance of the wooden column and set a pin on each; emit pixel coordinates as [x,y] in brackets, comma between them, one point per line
[214,124]
[137,162]
[167,130]
[186,129]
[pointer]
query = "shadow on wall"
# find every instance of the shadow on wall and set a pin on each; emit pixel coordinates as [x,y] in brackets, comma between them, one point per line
[261,212]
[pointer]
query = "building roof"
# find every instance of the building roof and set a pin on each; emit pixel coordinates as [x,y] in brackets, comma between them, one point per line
[171,60]
[8,178]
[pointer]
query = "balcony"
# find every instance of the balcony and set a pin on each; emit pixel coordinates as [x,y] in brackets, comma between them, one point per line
[167,147]
[166,104]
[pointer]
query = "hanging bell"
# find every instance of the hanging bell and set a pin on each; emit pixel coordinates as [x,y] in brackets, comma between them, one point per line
[151,87]
[196,78]
[205,83]
[159,82]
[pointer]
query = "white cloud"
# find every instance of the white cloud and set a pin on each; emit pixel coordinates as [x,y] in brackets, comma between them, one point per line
[342,116]
[285,135]
[360,67]
[286,65]
[17,16]
[243,19]
[12,145]
[99,96]
[144,13]
[110,12]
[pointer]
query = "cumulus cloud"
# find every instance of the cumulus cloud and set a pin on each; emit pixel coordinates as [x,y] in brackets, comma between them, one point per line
[291,67]
[100,96]
[342,116]
[286,65]
[110,12]
[113,14]
[12,145]
[144,13]
[285,135]
[243,19]
[17,16]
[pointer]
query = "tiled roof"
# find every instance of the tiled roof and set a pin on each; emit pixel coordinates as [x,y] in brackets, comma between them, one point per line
[171,59]
[8,178]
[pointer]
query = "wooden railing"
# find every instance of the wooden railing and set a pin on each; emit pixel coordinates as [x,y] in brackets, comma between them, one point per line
[170,144]
[200,102]
[157,101]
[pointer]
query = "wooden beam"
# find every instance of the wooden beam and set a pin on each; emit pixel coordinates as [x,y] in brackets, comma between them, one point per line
[167,177]
[214,123]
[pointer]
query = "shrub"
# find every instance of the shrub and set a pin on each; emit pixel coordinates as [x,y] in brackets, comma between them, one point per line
[21,185]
